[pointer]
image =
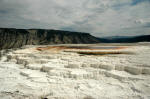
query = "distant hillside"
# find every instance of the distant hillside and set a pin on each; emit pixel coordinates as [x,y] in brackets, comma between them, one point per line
[13,38]
[126,39]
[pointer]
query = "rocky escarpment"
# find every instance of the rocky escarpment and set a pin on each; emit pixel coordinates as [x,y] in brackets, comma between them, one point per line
[14,38]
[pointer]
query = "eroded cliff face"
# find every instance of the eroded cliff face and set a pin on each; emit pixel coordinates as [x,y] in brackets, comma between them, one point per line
[14,38]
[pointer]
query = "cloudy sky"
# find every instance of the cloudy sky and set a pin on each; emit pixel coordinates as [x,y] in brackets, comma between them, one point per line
[98,17]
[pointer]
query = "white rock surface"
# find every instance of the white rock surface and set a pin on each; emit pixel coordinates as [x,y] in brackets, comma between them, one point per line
[67,75]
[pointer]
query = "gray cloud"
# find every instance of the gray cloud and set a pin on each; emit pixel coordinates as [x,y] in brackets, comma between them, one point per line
[99,17]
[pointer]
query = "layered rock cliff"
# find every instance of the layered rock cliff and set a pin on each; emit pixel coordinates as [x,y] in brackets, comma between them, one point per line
[14,38]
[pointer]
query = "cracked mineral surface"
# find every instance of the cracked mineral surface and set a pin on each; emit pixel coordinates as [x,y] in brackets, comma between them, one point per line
[38,72]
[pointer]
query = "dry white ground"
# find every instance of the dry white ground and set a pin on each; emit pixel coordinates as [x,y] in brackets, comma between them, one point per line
[31,74]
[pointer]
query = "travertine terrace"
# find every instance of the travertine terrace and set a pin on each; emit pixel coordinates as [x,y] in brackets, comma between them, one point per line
[64,72]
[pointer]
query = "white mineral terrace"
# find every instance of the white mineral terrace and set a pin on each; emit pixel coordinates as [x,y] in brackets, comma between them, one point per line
[28,73]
